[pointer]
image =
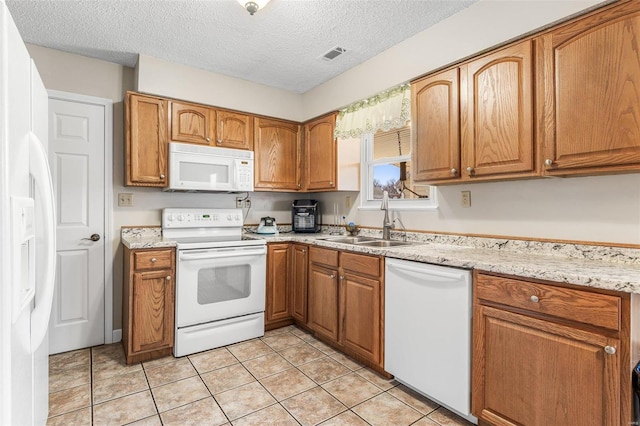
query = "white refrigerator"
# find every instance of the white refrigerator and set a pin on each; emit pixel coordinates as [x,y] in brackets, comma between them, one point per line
[27,234]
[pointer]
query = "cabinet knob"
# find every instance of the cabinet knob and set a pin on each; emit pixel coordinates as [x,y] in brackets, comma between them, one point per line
[534,299]
[454,171]
[219,142]
[342,277]
[299,186]
[304,251]
[207,139]
[332,276]
[330,183]
[548,162]
[470,170]
[611,350]
[168,278]
[161,176]
[154,260]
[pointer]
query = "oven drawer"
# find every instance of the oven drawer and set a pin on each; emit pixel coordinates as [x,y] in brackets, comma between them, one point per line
[153,259]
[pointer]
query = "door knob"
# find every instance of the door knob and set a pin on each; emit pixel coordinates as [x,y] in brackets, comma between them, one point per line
[93,237]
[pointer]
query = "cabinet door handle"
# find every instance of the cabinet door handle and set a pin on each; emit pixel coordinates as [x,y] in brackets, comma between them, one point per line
[332,276]
[207,139]
[611,350]
[548,162]
[534,299]
[219,142]
[454,171]
[330,183]
[154,260]
[470,170]
[341,277]
[168,278]
[299,185]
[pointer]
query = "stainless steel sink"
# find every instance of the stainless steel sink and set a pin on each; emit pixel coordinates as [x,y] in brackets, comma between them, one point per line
[383,243]
[349,240]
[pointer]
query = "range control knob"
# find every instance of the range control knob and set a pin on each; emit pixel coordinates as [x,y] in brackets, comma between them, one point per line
[229,217]
[170,217]
[180,217]
[237,217]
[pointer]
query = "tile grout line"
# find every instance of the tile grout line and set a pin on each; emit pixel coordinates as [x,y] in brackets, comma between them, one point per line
[153,398]
[207,387]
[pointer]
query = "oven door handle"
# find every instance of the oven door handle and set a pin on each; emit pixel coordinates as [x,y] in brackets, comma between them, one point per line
[221,254]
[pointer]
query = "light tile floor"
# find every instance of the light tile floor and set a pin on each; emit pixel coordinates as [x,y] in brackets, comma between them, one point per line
[286,377]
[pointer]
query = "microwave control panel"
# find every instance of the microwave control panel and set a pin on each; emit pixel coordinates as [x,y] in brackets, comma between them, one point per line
[245,175]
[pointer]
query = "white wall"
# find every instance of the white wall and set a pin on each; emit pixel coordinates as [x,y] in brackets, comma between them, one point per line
[484,24]
[181,82]
[597,208]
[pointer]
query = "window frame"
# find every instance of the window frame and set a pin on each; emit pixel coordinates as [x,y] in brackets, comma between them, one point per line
[366,178]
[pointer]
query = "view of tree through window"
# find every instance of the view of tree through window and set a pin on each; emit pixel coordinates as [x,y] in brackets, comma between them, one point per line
[390,150]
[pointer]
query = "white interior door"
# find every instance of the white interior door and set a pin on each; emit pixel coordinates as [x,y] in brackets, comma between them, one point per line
[76,157]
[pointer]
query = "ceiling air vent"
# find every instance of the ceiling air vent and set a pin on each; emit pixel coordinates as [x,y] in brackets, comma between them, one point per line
[333,53]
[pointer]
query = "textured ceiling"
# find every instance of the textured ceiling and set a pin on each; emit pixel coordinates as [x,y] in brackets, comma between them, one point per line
[279,46]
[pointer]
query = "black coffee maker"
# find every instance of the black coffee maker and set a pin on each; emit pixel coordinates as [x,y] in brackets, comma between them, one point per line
[305,216]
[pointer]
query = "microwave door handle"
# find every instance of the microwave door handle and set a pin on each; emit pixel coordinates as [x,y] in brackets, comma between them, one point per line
[219,255]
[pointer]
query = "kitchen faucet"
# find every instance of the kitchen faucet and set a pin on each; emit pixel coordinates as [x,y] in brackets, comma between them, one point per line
[387,225]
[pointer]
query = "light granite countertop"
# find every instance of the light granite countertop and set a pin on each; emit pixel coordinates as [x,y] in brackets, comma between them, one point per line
[609,268]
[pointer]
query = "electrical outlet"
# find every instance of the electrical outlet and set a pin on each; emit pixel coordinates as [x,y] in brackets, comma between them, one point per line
[465,199]
[125,199]
[238,202]
[247,203]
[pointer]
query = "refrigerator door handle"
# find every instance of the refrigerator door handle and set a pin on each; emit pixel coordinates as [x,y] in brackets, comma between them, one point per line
[39,170]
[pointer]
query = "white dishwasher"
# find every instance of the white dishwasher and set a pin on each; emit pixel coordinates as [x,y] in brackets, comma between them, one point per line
[428,331]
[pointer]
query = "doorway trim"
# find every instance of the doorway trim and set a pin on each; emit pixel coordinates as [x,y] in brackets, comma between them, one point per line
[108,200]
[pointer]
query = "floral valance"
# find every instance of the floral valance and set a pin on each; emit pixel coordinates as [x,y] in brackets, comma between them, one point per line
[387,110]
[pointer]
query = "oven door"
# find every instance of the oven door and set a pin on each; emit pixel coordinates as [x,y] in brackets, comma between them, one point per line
[219,283]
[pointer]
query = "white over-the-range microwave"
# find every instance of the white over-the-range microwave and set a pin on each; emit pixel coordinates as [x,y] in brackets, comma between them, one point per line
[205,168]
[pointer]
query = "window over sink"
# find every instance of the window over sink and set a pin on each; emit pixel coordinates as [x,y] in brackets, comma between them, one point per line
[386,166]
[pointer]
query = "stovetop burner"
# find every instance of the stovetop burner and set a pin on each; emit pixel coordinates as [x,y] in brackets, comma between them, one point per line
[206,228]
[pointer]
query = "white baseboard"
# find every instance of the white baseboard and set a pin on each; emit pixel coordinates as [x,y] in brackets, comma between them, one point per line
[117,335]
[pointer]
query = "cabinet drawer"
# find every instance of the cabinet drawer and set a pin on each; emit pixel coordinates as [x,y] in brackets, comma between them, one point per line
[152,259]
[600,310]
[368,265]
[324,256]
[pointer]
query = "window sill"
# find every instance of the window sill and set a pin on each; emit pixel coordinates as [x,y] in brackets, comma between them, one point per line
[375,205]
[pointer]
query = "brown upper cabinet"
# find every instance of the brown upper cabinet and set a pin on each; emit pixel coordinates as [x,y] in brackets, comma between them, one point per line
[146,136]
[199,124]
[496,106]
[191,123]
[590,93]
[234,130]
[475,121]
[277,164]
[435,137]
[320,154]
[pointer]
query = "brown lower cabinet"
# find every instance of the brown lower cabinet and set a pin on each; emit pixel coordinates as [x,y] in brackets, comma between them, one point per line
[546,354]
[346,302]
[148,303]
[278,308]
[336,295]
[299,269]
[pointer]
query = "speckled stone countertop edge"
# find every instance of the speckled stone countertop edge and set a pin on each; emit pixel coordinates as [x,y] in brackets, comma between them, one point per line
[526,259]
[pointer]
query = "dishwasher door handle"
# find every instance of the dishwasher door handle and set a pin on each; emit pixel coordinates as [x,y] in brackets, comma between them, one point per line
[423,271]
